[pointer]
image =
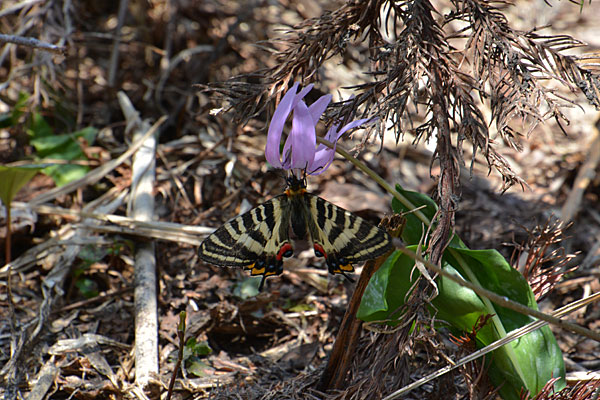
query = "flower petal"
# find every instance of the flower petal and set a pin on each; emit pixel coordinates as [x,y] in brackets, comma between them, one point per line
[302,137]
[276,126]
[324,155]
[302,94]
[349,126]
[317,108]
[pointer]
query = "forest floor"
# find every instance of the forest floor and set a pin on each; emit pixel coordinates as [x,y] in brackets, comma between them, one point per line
[72,278]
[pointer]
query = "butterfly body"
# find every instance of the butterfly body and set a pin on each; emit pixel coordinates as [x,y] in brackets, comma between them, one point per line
[260,239]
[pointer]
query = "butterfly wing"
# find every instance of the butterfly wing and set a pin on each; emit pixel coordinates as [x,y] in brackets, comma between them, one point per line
[342,237]
[257,240]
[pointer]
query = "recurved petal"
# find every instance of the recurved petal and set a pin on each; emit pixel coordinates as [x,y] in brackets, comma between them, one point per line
[302,137]
[302,94]
[324,155]
[351,125]
[317,108]
[276,126]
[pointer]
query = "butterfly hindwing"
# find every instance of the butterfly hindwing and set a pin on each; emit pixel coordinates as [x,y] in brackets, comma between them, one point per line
[341,237]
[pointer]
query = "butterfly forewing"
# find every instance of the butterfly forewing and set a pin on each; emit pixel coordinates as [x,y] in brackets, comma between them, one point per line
[343,235]
[252,236]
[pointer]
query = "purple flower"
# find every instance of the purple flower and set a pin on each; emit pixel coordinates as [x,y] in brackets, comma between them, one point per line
[300,150]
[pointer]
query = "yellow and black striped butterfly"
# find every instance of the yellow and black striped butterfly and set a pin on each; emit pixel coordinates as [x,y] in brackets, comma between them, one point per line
[259,240]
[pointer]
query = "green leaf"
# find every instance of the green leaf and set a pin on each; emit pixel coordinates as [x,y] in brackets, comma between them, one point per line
[301,308]
[61,147]
[193,347]
[38,127]
[116,248]
[529,362]
[88,134]
[87,287]
[12,179]
[12,118]
[197,367]
[63,174]
[56,145]
[92,254]
[417,205]
[192,355]
[393,275]
[526,363]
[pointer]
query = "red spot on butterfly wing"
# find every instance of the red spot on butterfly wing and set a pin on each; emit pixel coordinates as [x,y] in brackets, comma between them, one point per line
[285,251]
[319,250]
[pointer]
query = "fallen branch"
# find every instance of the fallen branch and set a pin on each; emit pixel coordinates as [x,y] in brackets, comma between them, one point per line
[141,207]
[32,42]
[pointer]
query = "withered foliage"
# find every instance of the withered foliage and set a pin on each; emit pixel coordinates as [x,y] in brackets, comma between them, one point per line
[581,391]
[432,75]
[545,262]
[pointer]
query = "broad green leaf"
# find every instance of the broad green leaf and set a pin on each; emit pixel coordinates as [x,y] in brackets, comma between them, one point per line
[60,147]
[414,228]
[393,275]
[12,179]
[38,127]
[65,146]
[528,362]
[536,355]
[63,174]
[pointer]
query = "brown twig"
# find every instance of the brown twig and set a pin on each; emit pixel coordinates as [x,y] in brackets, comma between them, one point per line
[32,42]
[114,54]
[97,299]
[181,335]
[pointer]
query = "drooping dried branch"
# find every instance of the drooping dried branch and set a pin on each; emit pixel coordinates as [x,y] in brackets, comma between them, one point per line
[514,66]
[305,48]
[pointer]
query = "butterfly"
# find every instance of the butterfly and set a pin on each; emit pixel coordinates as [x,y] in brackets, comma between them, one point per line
[260,239]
